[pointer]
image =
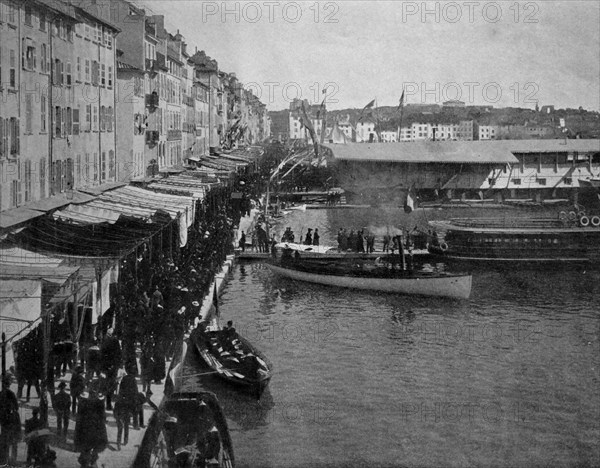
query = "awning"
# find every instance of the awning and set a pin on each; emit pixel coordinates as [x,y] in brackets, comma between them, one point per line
[20,307]
[57,275]
[12,255]
[87,214]
[10,218]
[51,203]
[102,188]
[139,198]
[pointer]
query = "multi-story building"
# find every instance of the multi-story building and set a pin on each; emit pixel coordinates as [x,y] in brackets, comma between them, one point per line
[389,136]
[297,127]
[488,132]
[365,132]
[466,130]
[420,131]
[57,77]
[405,134]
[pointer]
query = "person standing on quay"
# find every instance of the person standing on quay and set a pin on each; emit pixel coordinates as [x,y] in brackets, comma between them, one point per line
[90,429]
[62,406]
[10,423]
[316,237]
[36,446]
[242,242]
[110,353]
[77,385]
[308,238]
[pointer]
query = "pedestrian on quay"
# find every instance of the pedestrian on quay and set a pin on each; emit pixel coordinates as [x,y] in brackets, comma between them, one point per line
[370,242]
[146,365]
[157,296]
[110,354]
[139,408]
[316,237]
[386,242]
[360,245]
[77,385]
[242,242]
[10,424]
[308,238]
[36,445]
[122,415]
[90,428]
[93,361]
[128,392]
[62,407]
[339,238]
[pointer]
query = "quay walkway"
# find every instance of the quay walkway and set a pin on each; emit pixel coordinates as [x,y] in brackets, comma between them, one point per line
[112,456]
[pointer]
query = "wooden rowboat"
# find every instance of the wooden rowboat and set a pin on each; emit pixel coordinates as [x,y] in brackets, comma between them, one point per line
[233,359]
[375,278]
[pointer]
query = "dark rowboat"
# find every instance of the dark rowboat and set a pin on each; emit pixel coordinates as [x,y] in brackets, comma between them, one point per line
[193,432]
[233,359]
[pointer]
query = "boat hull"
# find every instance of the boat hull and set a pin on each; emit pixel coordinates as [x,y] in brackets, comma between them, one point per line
[533,241]
[453,286]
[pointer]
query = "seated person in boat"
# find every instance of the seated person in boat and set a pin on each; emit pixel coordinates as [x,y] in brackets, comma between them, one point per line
[227,335]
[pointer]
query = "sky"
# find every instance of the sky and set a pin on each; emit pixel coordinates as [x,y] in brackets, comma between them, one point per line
[503,53]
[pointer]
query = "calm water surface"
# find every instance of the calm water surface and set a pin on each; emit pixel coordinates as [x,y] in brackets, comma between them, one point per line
[507,378]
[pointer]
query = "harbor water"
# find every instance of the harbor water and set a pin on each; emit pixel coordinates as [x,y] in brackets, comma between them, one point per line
[507,378]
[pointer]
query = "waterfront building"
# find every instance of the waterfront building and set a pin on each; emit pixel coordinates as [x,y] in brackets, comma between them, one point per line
[501,169]
[57,86]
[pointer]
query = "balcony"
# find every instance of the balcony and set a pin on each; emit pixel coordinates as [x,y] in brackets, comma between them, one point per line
[152,137]
[173,135]
[152,101]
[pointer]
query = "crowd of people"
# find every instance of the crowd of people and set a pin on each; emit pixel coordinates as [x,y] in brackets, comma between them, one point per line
[155,302]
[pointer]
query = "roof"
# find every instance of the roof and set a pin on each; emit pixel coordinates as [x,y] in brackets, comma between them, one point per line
[553,146]
[457,152]
[16,216]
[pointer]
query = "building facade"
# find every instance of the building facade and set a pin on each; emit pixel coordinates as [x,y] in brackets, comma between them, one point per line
[58,81]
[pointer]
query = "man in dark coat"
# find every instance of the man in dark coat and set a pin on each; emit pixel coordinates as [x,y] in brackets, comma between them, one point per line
[62,406]
[128,392]
[242,242]
[110,355]
[10,423]
[77,386]
[90,428]
[122,414]
[308,238]
[36,446]
[316,237]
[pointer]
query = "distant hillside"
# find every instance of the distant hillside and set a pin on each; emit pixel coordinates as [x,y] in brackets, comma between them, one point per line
[578,121]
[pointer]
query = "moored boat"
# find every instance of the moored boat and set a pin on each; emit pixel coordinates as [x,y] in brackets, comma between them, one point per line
[193,431]
[376,277]
[233,358]
[570,238]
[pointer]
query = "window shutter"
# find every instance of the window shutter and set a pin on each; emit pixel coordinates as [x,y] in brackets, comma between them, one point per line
[75,121]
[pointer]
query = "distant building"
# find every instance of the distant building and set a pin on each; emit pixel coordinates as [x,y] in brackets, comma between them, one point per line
[420,131]
[405,134]
[547,109]
[365,132]
[389,136]
[453,103]
[488,132]
[466,130]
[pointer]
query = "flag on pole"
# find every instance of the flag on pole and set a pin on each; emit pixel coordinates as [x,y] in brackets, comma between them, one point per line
[216,300]
[368,106]
[409,203]
[401,101]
